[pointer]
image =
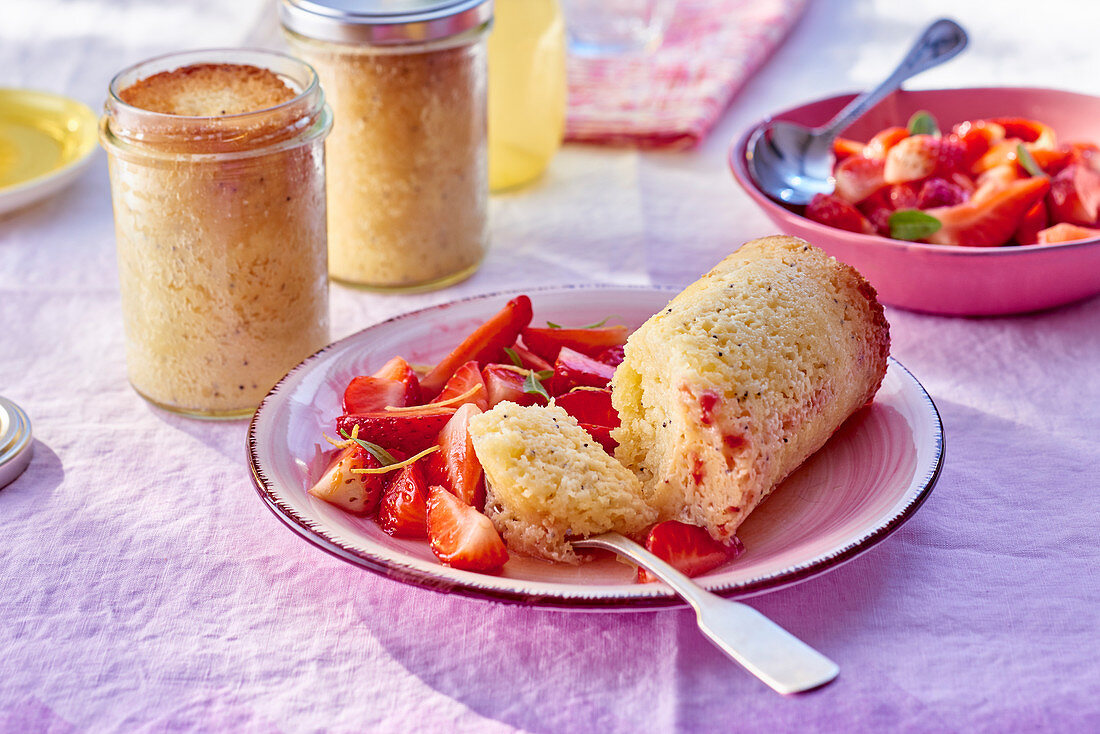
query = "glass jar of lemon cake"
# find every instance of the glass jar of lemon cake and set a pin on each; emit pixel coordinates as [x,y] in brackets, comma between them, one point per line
[217,178]
[407,158]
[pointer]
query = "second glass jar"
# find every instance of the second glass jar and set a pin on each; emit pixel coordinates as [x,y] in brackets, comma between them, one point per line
[407,157]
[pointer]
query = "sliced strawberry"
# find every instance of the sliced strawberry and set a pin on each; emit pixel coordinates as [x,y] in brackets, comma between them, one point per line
[845,147]
[939,192]
[368,394]
[689,548]
[1075,195]
[1065,232]
[408,431]
[1028,131]
[400,370]
[613,356]
[995,180]
[547,342]
[834,212]
[920,156]
[590,406]
[991,222]
[486,344]
[976,137]
[602,435]
[504,383]
[998,155]
[466,378]
[352,492]
[456,460]
[574,369]
[530,360]
[1035,220]
[878,146]
[462,537]
[858,177]
[403,512]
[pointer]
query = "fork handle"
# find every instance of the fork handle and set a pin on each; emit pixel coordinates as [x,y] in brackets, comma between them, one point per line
[761,646]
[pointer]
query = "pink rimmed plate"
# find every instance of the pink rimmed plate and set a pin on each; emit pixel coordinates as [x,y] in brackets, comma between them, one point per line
[871,476]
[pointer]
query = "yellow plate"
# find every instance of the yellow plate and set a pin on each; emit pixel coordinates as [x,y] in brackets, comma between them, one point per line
[45,141]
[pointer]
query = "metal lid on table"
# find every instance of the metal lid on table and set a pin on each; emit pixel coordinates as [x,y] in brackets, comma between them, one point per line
[15,441]
[384,22]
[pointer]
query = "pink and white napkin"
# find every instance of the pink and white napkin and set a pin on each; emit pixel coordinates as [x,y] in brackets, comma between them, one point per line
[674,96]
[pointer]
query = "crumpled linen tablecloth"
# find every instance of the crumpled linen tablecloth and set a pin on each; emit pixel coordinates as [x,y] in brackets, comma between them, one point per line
[144,587]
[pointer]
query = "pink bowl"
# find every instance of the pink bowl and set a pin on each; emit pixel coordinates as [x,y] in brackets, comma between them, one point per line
[941,279]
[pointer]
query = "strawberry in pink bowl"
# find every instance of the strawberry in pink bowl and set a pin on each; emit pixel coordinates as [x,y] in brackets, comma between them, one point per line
[978,210]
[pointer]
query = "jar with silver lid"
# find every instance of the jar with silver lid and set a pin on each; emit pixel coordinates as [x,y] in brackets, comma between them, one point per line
[407,157]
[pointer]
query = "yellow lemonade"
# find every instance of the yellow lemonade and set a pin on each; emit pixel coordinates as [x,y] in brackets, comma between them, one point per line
[527,90]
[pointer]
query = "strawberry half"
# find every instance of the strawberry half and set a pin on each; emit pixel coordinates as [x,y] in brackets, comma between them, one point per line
[590,406]
[530,360]
[989,222]
[688,548]
[403,512]
[486,344]
[456,462]
[573,369]
[1075,195]
[878,146]
[340,486]
[1066,232]
[921,156]
[546,343]
[834,212]
[1035,220]
[466,378]
[367,394]
[462,537]
[858,177]
[504,383]
[400,370]
[408,431]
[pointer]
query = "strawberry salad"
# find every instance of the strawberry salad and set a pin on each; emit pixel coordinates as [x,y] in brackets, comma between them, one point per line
[984,183]
[404,456]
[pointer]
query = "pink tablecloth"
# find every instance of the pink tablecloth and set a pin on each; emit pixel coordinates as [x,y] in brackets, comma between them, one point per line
[144,587]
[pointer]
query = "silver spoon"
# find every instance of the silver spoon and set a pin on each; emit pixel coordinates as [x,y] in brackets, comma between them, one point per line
[791,163]
[765,649]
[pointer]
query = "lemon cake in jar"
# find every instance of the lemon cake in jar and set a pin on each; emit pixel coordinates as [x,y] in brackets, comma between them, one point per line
[548,480]
[743,376]
[217,176]
[407,158]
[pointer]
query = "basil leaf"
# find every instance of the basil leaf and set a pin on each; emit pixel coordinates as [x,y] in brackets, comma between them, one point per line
[384,457]
[552,325]
[513,356]
[532,384]
[1023,155]
[912,224]
[922,123]
[544,374]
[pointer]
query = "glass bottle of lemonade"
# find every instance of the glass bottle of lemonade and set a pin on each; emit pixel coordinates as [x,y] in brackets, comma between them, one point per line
[527,90]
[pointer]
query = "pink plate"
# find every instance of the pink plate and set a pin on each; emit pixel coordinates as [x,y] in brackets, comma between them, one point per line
[871,477]
[952,280]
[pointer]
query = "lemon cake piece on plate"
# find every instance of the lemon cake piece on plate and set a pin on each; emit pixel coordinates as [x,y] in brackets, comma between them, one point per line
[743,376]
[548,480]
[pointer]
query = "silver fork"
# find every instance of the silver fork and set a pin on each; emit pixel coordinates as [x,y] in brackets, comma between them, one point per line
[762,647]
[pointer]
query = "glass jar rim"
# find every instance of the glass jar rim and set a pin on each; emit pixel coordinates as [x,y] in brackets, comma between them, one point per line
[124,125]
[331,20]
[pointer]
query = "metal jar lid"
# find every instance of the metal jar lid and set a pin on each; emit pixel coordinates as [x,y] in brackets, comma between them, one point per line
[15,441]
[384,22]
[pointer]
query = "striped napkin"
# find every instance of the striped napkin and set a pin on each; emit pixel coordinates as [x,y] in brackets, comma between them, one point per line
[674,96]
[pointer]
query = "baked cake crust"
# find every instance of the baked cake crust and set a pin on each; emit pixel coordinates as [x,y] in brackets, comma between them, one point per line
[743,376]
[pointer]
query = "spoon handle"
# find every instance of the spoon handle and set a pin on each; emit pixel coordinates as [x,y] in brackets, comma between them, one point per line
[765,649]
[941,41]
